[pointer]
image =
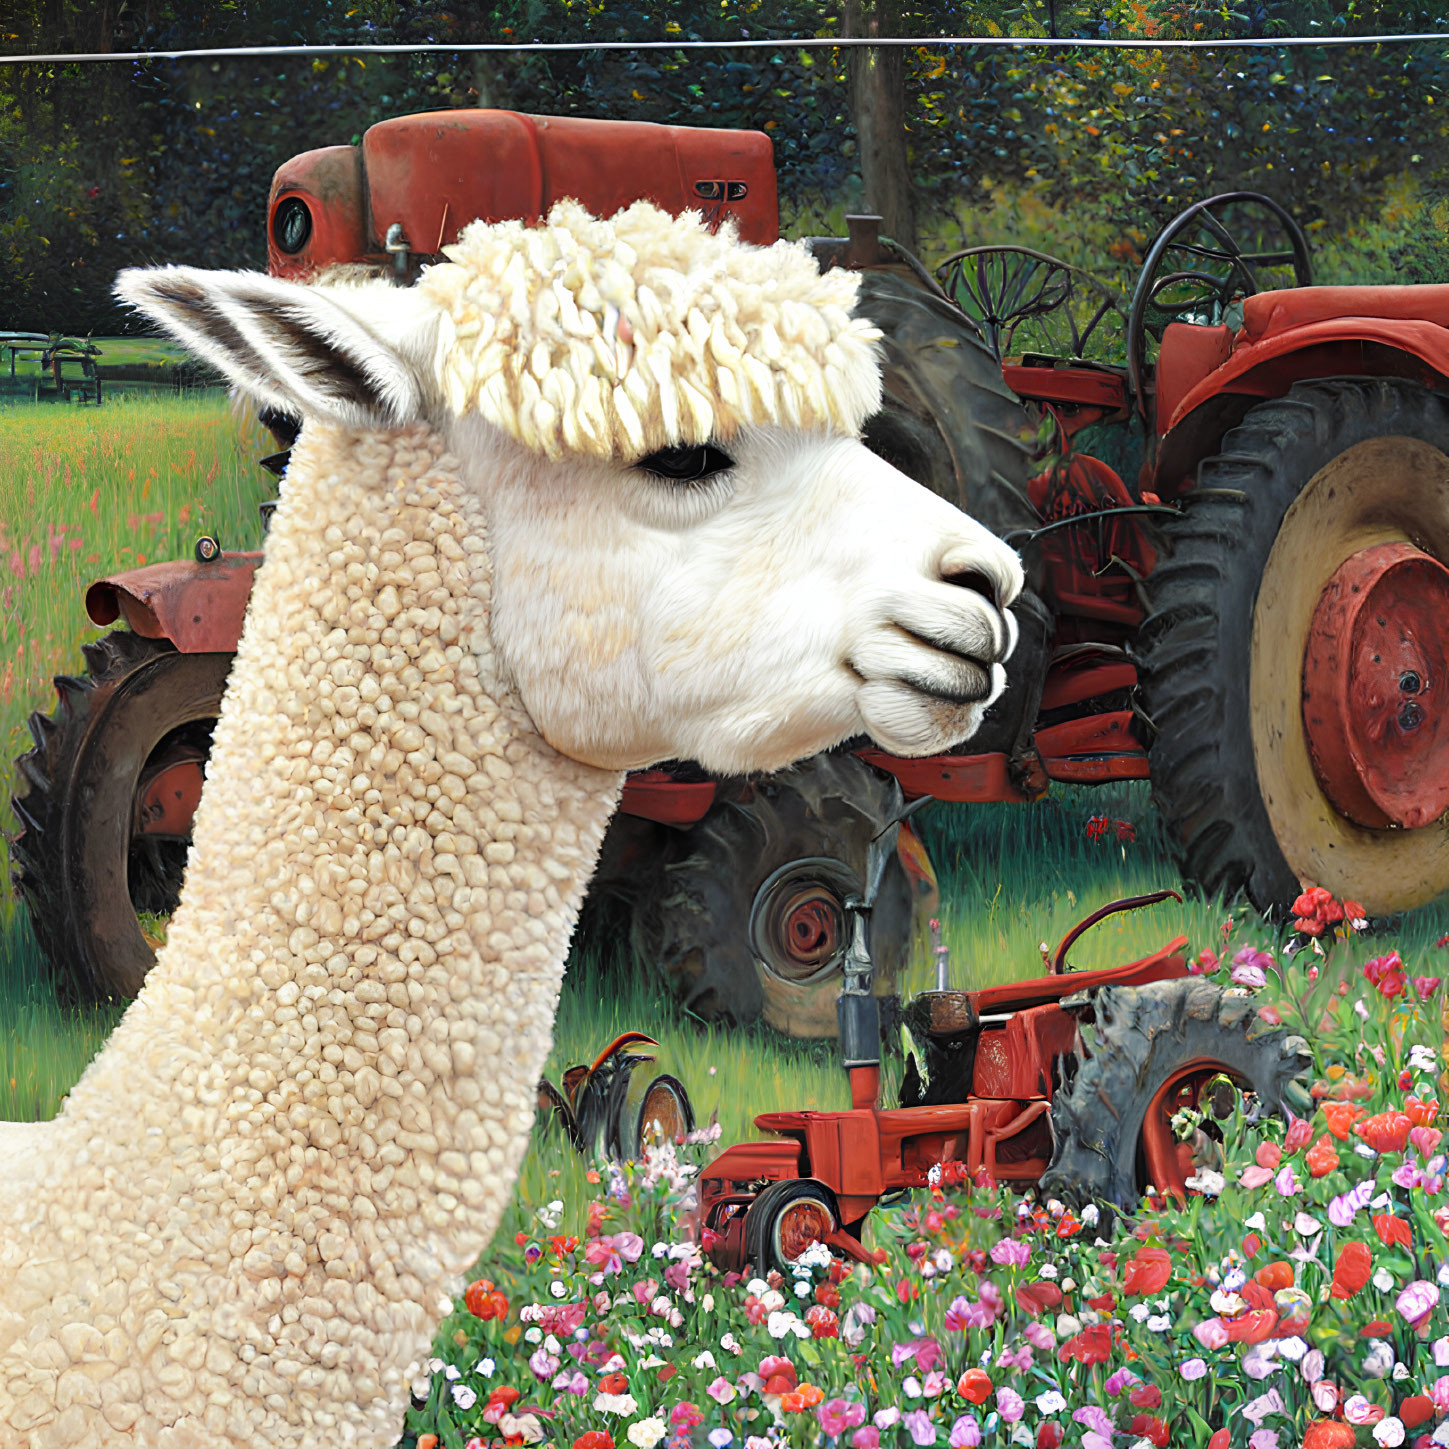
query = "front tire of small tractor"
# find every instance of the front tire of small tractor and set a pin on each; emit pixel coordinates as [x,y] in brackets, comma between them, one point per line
[751,921]
[785,1220]
[1156,1049]
[1307,485]
[80,861]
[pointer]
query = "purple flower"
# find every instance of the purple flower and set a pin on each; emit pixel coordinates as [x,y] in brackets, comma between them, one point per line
[838,1415]
[1258,1409]
[918,1424]
[1285,1182]
[1263,1439]
[1092,1440]
[1123,1378]
[543,1363]
[1249,976]
[1193,1368]
[884,1418]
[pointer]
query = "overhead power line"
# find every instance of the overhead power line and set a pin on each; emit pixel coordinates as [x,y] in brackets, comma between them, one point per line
[811,42]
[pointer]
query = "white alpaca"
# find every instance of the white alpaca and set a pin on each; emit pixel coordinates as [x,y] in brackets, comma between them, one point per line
[486,593]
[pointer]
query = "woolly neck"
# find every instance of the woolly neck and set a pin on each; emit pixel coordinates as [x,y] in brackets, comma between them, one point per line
[307,1124]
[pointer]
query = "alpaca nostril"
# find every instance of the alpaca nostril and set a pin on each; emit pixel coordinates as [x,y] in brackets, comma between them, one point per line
[975,580]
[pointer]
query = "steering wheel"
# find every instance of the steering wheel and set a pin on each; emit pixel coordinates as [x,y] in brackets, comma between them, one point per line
[1195,269]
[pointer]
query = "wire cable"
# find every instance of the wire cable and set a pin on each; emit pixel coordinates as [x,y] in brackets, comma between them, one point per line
[921,42]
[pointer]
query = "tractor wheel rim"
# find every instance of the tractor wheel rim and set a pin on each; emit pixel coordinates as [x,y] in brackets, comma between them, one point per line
[797,921]
[661,1119]
[1381,491]
[1168,1162]
[800,1225]
[1375,688]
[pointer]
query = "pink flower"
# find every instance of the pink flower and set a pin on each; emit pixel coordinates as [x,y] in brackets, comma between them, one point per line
[1040,1336]
[838,1415]
[1211,1333]
[1252,977]
[1093,1440]
[1010,1252]
[919,1426]
[1285,1182]
[1122,1379]
[1263,1439]
[1426,986]
[1325,1396]
[1358,1410]
[1417,1302]
[721,1390]
[1010,1405]
[866,1438]
[1095,1419]
[966,1432]
[1439,1393]
[1255,1176]
[1311,1366]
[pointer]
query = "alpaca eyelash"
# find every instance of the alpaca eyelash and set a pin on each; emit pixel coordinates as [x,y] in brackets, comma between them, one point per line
[688,465]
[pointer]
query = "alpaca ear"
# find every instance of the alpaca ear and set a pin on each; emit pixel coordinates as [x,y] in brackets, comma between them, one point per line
[291,347]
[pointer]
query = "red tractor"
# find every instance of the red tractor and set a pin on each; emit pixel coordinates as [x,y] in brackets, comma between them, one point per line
[1017,1087]
[1252,613]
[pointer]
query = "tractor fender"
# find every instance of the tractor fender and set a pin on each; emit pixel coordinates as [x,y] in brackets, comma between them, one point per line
[1268,366]
[198,607]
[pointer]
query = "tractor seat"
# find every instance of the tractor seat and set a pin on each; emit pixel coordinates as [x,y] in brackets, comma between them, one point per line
[1266,313]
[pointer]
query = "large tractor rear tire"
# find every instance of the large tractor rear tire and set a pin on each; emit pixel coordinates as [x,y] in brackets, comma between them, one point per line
[1155,1051]
[750,923]
[1293,661]
[83,860]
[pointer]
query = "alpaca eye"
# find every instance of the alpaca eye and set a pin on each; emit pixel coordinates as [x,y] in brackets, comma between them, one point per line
[687,464]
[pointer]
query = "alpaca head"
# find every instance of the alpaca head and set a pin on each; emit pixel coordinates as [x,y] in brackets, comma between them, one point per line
[692,553]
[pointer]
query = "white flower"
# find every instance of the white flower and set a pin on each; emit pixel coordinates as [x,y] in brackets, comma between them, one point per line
[1378,1362]
[1159,1323]
[1207,1182]
[1384,1280]
[772,1301]
[817,1255]
[1292,1348]
[452,1373]
[463,1396]
[1423,1059]
[707,1303]
[1047,1270]
[484,1367]
[802,1288]
[534,1334]
[1050,1402]
[1090,1216]
[1139,1311]
[1364,1150]
[1257,1222]
[731,1344]
[704,1360]
[1305,1225]
[758,1287]
[621,1404]
[1234,1279]
[558,1288]
[1069,1285]
[651,1362]
[1389,1432]
[647,1432]
[1401,1370]
[911,1387]
[1441,1434]
[1228,1305]
[1067,1326]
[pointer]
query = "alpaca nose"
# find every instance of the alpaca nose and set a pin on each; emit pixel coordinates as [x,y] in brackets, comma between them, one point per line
[994,574]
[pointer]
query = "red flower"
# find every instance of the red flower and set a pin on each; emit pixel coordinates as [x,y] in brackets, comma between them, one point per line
[1386,1132]
[1150,1427]
[484,1301]
[1392,1229]
[1252,1245]
[1219,1440]
[1097,827]
[1091,1345]
[594,1439]
[1340,1117]
[1321,1158]
[1421,1112]
[1328,1434]
[1145,1396]
[776,1368]
[1315,911]
[1148,1272]
[1376,1329]
[975,1385]
[1035,1298]
[1048,1435]
[1415,1410]
[823,1323]
[1351,1271]
[1273,1276]
[613,1384]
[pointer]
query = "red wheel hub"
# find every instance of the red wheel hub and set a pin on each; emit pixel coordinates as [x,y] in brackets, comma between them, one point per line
[800,1225]
[812,928]
[1376,690]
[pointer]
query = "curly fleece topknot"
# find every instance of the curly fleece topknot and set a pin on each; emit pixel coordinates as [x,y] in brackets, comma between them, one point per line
[616,338]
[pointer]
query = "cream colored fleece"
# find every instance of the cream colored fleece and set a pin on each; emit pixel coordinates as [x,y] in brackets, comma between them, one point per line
[240,1229]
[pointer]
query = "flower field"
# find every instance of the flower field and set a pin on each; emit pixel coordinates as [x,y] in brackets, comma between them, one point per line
[1301,1299]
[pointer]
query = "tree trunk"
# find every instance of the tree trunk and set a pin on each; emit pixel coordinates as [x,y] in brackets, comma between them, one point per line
[878,100]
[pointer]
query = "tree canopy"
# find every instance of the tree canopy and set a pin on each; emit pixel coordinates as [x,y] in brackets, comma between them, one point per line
[107,165]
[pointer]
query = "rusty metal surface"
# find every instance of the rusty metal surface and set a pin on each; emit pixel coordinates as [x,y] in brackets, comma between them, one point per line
[198,607]
[1375,687]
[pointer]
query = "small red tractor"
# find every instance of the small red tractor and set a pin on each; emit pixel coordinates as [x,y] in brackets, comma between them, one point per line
[1092,1085]
[1251,612]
